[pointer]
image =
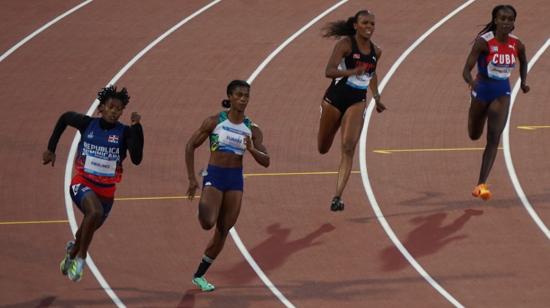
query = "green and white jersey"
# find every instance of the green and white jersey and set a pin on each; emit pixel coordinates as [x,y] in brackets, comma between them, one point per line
[229,137]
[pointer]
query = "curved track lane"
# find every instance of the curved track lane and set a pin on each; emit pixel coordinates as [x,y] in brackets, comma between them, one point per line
[303,235]
[20,19]
[481,252]
[149,249]
[57,71]
[177,102]
[508,156]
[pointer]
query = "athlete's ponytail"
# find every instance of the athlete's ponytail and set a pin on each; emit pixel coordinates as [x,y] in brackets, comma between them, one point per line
[491,26]
[343,27]
[231,87]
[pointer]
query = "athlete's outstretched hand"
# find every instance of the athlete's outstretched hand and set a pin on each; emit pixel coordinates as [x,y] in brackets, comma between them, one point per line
[525,88]
[135,118]
[48,157]
[193,186]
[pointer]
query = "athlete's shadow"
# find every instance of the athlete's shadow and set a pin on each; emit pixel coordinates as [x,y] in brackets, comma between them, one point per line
[273,252]
[426,239]
[188,300]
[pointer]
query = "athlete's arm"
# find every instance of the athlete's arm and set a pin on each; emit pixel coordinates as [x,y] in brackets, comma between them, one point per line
[194,142]
[341,49]
[76,120]
[523,67]
[373,85]
[256,148]
[479,47]
[134,139]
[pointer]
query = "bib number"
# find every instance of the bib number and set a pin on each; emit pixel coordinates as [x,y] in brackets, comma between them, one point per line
[101,167]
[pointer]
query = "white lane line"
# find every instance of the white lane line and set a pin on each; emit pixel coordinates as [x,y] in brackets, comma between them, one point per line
[250,79]
[508,154]
[44,27]
[72,151]
[363,163]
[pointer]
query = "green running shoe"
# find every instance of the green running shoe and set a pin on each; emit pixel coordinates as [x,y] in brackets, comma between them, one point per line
[76,270]
[204,285]
[66,262]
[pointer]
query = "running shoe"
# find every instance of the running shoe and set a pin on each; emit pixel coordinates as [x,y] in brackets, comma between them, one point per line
[482,191]
[76,270]
[66,262]
[204,285]
[337,204]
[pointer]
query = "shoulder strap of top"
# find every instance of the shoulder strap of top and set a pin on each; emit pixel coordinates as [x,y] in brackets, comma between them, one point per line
[223,116]
[354,47]
[372,50]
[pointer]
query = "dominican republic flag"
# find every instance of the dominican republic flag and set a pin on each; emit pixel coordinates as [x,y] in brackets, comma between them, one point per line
[113,139]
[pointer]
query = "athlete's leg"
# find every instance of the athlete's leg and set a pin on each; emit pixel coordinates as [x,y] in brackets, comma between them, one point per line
[328,126]
[476,118]
[497,117]
[228,217]
[352,124]
[93,218]
[209,206]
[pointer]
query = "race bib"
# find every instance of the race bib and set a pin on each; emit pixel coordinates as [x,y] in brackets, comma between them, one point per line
[359,81]
[98,166]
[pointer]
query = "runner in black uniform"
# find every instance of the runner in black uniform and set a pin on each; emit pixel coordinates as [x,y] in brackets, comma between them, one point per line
[352,67]
[98,166]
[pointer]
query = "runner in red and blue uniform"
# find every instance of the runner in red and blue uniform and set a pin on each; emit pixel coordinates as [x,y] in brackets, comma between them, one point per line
[352,68]
[496,52]
[98,165]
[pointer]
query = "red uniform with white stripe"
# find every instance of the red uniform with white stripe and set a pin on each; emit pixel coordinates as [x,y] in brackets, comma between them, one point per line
[501,59]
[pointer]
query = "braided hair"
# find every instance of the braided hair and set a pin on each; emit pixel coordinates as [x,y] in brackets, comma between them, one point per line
[491,26]
[231,87]
[341,28]
[111,92]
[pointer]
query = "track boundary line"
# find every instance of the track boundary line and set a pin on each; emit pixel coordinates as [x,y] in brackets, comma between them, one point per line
[70,159]
[39,30]
[363,162]
[508,154]
[251,79]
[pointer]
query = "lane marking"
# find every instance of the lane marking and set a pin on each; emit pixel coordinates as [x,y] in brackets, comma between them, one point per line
[508,153]
[32,222]
[39,30]
[250,79]
[389,151]
[294,173]
[363,163]
[533,127]
[151,198]
[72,151]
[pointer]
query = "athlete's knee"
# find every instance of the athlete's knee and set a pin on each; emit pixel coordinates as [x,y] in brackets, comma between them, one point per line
[323,149]
[474,135]
[207,224]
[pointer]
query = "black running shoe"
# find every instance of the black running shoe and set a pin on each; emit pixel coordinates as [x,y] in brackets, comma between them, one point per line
[336,204]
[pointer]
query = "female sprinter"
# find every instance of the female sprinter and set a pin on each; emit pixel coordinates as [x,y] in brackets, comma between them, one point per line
[98,166]
[231,133]
[352,67]
[496,51]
